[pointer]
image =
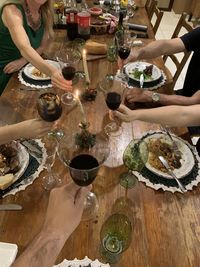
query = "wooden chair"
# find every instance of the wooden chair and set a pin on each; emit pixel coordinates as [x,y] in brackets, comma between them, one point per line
[153,10]
[179,64]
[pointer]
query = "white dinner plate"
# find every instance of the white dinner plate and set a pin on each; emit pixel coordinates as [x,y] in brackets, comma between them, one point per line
[140,66]
[187,156]
[23,157]
[8,254]
[28,70]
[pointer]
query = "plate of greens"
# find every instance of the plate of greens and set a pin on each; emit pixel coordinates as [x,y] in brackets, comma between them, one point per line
[151,72]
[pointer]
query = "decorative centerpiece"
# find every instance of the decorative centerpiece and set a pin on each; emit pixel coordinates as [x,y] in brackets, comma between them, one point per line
[85,139]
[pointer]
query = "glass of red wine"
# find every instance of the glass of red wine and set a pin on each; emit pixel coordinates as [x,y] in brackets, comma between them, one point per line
[50,109]
[113,91]
[68,59]
[123,42]
[83,165]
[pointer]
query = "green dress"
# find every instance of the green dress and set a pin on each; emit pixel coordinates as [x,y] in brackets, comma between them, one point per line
[8,50]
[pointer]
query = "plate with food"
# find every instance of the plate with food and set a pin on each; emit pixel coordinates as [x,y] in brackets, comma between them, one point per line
[151,72]
[159,144]
[14,160]
[33,73]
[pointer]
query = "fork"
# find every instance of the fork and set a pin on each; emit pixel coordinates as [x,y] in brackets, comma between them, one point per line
[141,80]
[171,173]
[174,145]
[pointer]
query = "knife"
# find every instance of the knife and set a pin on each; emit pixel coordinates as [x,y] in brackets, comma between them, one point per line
[30,147]
[10,207]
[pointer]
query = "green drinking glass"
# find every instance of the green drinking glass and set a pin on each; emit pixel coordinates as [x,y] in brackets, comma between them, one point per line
[116,235]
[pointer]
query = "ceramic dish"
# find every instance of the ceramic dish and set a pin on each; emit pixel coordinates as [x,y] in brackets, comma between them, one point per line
[141,66]
[8,254]
[187,158]
[29,71]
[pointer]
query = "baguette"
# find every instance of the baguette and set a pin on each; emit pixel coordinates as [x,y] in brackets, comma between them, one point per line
[95,48]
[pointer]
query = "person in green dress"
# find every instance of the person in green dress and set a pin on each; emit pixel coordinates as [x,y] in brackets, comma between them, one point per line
[25,30]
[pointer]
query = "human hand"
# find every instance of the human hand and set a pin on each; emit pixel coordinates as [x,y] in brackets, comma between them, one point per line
[123,113]
[132,57]
[34,128]
[59,82]
[14,66]
[138,95]
[65,208]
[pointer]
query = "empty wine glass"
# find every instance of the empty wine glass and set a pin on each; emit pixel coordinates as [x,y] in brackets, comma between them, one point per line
[68,59]
[113,91]
[84,164]
[135,157]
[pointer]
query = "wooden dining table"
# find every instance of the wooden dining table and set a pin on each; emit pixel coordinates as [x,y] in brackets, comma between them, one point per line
[166,226]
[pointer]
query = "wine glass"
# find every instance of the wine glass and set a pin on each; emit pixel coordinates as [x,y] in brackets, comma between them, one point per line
[123,42]
[135,157]
[50,109]
[115,235]
[113,91]
[68,59]
[84,164]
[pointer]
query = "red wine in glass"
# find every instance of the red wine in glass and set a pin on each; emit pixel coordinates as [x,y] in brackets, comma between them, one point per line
[113,100]
[83,169]
[68,72]
[124,52]
[49,107]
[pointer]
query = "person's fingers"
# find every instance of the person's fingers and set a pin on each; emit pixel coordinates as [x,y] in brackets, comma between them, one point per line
[120,115]
[81,195]
[130,98]
[71,188]
[123,109]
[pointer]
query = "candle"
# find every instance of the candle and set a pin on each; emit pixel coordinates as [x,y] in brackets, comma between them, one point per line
[85,67]
[81,107]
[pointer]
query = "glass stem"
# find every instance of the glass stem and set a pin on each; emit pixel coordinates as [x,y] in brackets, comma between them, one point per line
[49,170]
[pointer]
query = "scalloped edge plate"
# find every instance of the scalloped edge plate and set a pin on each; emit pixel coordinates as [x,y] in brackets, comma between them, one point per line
[79,263]
[156,72]
[187,161]
[29,69]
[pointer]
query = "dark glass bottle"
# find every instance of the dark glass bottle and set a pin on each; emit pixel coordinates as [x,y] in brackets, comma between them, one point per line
[120,26]
[72,25]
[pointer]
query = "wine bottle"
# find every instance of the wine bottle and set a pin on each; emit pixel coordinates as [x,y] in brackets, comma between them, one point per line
[120,26]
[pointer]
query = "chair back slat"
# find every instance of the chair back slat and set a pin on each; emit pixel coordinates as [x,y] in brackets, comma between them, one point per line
[182,23]
[152,9]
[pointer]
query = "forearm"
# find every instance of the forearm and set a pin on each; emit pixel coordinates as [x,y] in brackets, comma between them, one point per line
[160,47]
[43,251]
[171,115]
[166,100]
[36,60]
[9,133]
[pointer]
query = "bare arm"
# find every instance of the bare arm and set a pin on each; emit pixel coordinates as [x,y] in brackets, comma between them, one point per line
[26,129]
[145,96]
[170,115]
[12,19]
[63,216]
[157,48]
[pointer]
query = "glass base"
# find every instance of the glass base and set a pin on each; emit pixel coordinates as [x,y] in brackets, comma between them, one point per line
[57,133]
[128,180]
[80,75]
[91,207]
[50,182]
[109,257]
[112,129]
[68,99]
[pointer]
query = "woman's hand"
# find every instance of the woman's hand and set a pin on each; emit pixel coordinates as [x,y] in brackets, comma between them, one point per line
[65,208]
[124,113]
[34,128]
[59,82]
[14,66]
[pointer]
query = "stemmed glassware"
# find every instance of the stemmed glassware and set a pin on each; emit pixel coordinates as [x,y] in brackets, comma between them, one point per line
[84,164]
[50,109]
[135,157]
[68,59]
[113,91]
[123,42]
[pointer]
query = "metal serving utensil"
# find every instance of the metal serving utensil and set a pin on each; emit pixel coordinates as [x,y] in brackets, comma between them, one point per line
[10,207]
[170,172]
[141,80]
[174,145]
